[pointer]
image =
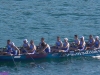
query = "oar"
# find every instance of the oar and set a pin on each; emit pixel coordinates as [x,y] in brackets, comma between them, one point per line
[82,54]
[34,60]
[14,61]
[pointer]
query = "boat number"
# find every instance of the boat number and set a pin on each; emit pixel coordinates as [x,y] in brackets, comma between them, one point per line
[16,56]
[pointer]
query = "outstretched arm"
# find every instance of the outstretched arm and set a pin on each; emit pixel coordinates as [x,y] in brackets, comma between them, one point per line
[61,44]
[17,50]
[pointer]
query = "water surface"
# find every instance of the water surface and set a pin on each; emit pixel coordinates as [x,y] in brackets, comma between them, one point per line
[33,19]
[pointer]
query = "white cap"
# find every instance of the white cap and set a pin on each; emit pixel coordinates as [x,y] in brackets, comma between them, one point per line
[97,37]
[12,43]
[66,39]
[25,40]
[82,37]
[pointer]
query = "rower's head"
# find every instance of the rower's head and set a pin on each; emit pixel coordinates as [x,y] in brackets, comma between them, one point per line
[31,42]
[82,38]
[43,44]
[76,36]
[90,36]
[66,39]
[97,38]
[12,44]
[8,41]
[58,38]
[42,39]
[25,41]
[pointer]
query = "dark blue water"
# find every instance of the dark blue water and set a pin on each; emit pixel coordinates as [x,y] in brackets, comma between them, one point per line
[33,19]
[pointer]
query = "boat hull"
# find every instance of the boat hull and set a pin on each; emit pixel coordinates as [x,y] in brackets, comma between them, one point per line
[33,57]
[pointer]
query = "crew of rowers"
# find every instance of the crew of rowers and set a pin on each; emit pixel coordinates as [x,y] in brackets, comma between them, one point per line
[77,45]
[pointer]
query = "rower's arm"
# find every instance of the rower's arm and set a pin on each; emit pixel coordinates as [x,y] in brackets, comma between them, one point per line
[61,44]
[78,42]
[45,47]
[83,44]
[93,42]
[67,45]
[17,49]
[99,44]
[28,46]
[34,48]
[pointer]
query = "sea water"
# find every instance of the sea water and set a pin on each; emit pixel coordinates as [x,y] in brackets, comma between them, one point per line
[33,19]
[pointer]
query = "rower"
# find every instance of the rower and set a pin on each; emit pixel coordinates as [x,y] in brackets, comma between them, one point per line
[75,44]
[90,43]
[59,43]
[15,50]
[25,46]
[8,45]
[97,43]
[82,44]
[32,48]
[43,47]
[42,40]
[66,46]
[8,48]
[76,41]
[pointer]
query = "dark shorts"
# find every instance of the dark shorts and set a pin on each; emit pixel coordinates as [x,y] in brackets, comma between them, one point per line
[24,51]
[47,50]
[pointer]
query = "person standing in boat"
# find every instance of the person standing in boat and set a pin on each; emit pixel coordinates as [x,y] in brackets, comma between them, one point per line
[97,43]
[66,46]
[32,48]
[90,43]
[82,44]
[59,43]
[43,47]
[25,46]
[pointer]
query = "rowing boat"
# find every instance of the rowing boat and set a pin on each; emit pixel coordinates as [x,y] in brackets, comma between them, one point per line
[27,57]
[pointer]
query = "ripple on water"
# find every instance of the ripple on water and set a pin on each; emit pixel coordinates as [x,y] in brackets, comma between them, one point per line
[33,19]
